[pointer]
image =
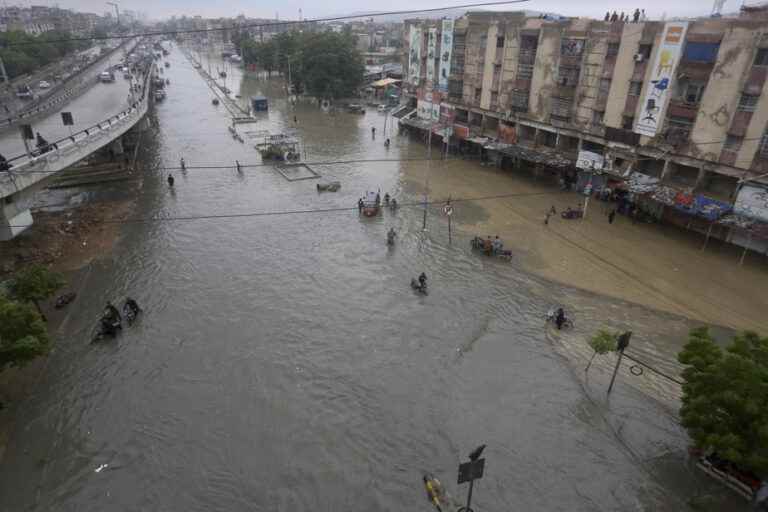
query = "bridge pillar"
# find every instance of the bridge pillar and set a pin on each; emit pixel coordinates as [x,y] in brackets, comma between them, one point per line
[15,216]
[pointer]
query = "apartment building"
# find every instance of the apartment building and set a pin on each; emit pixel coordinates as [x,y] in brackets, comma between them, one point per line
[674,111]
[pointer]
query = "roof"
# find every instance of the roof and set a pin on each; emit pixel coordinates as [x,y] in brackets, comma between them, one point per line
[385,82]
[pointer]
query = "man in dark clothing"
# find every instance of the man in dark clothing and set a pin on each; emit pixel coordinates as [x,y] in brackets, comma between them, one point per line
[636,16]
[611,216]
[607,16]
[170,180]
[614,17]
[423,280]
[560,318]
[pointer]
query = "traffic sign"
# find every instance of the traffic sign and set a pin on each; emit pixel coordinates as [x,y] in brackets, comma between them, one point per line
[66,118]
[448,210]
[471,470]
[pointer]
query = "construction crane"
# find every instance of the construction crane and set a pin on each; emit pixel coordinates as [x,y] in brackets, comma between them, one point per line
[117,11]
[717,7]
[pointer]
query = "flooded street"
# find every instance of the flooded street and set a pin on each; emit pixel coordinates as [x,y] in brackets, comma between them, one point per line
[282,361]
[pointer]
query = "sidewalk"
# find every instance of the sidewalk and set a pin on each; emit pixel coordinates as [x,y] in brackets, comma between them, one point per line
[659,266]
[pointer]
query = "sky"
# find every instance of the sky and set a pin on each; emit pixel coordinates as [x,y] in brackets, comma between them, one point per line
[289,9]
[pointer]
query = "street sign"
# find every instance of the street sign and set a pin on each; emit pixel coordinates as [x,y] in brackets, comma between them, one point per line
[448,210]
[472,470]
[66,118]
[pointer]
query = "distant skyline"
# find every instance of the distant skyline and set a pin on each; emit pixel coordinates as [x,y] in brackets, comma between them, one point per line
[289,9]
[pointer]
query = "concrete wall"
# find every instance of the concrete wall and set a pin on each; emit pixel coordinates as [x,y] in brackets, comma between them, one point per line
[755,130]
[544,73]
[721,97]
[509,64]
[490,58]
[622,74]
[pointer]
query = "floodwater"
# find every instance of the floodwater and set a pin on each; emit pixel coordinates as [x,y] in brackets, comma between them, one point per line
[282,362]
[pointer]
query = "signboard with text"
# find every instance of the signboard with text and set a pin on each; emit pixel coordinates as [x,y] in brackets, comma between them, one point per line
[446,52]
[414,55]
[659,86]
[431,46]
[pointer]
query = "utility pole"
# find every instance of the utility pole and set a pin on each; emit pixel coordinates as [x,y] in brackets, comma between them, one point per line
[429,167]
[623,343]
[2,70]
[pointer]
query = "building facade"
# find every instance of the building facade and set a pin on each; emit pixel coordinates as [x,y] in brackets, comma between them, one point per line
[682,105]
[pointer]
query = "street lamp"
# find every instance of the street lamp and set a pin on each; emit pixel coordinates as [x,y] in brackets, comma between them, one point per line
[471,471]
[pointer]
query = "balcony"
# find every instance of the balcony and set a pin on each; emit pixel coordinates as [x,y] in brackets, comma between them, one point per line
[526,57]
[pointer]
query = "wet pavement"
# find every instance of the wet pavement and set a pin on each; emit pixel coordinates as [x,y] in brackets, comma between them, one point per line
[100,102]
[282,362]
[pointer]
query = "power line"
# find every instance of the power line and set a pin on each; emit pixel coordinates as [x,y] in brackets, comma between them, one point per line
[140,220]
[272,24]
[234,165]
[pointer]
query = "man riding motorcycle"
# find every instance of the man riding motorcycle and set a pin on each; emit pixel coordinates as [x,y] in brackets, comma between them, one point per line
[110,319]
[391,236]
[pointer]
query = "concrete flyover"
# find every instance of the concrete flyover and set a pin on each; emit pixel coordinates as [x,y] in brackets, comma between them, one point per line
[29,173]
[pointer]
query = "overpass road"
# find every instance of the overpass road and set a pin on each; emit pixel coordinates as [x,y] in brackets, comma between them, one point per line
[97,104]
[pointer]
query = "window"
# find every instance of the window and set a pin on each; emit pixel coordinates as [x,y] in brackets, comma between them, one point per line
[520,101]
[478,94]
[571,47]
[761,59]
[678,129]
[692,93]
[613,49]
[764,146]
[525,71]
[604,87]
[733,142]
[597,117]
[635,88]
[494,99]
[567,76]
[500,42]
[701,52]
[627,122]
[645,51]
[561,108]
[748,102]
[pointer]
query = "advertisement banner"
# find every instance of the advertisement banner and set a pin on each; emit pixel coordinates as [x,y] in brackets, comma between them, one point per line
[588,161]
[436,112]
[424,109]
[446,51]
[658,89]
[752,202]
[414,56]
[431,46]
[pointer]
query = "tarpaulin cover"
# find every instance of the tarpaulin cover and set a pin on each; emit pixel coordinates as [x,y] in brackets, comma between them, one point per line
[710,209]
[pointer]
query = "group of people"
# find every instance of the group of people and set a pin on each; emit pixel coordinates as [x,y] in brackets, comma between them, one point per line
[637,17]
[489,246]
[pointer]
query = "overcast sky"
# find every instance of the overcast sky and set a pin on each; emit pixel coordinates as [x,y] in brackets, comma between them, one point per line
[155,9]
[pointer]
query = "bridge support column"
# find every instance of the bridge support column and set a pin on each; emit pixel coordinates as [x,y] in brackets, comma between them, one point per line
[14,217]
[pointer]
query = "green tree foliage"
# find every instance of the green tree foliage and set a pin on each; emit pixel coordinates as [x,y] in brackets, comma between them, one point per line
[23,53]
[725,397]
[601,343]
[23,335]
[326,65]
[36,283]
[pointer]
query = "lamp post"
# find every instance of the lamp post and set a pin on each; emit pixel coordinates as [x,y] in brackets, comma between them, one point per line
[471,471]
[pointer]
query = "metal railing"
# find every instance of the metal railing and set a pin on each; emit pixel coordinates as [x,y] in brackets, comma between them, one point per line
[84,138]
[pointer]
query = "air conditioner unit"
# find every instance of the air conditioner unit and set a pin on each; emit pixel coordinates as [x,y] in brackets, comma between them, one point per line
[639,57]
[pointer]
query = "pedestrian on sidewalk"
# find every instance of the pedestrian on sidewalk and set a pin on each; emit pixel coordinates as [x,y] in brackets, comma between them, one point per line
[611,216]
[170,180]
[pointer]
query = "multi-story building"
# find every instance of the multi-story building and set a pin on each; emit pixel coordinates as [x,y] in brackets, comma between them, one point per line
[679,106]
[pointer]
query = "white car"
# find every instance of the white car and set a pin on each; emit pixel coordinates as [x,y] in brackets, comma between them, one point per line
[43,85]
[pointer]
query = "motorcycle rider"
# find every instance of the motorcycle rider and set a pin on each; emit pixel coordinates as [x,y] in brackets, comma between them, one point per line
[133,305]
[110,317]
[423,280]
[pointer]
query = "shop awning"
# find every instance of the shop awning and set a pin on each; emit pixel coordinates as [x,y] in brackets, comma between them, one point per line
[384,82]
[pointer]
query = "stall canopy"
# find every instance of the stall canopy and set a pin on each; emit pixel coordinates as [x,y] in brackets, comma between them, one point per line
[385,82]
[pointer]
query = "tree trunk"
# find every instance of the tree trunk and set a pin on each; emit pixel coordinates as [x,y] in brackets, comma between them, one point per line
[39,310]
[590,362]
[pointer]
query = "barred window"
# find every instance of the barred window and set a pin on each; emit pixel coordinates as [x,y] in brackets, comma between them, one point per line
[748,102]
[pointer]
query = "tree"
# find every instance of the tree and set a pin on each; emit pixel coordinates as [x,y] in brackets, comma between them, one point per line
[23,335]
[602,343]
[36,283]
[725,397]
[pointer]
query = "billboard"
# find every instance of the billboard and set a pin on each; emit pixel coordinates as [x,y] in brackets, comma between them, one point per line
[446,51]
[431,48]
[589,160]
[658,88]
[414,55]
[424,109]
[752,202]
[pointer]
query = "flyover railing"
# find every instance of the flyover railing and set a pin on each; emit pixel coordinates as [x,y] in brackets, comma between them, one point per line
[64,152]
